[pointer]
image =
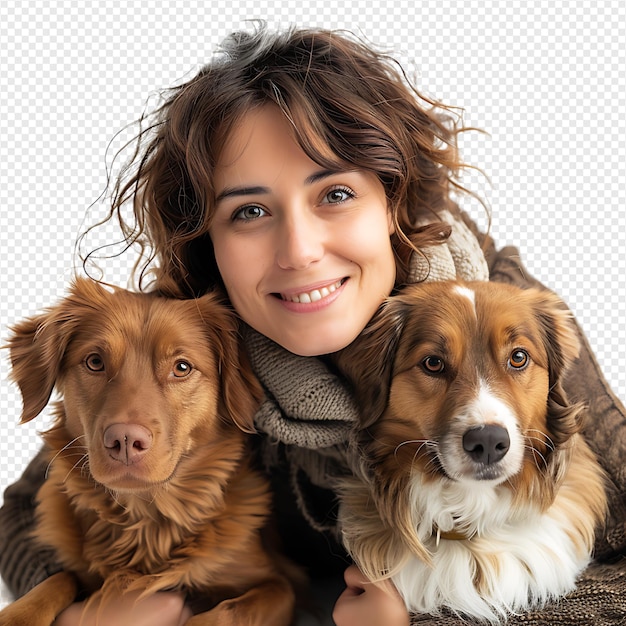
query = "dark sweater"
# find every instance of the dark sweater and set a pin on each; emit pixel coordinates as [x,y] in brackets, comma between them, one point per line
[306,415]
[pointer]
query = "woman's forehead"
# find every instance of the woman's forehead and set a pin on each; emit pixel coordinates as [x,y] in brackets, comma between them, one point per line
[260,149]
[257,130]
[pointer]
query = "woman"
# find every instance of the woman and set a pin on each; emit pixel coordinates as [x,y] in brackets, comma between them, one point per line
[303,175]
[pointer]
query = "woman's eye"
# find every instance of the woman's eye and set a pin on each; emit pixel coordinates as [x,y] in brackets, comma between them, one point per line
[433,365]
[94,363]
[339,194]
[519,359]
[181,369]
[249,213]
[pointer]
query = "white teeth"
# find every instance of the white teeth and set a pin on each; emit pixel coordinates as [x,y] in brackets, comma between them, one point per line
[313,296]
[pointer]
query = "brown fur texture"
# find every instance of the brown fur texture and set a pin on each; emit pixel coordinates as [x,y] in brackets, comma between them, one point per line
[150,484]
[408,407]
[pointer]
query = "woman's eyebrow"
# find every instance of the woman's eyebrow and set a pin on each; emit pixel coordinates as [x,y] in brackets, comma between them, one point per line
[320,175]
[229,192]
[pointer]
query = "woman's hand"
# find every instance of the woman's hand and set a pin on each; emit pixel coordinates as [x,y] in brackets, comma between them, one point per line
[160,609]
[366,604]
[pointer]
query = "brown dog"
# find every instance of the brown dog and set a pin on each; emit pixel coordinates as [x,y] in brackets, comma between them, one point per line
[478,493]
[149,485]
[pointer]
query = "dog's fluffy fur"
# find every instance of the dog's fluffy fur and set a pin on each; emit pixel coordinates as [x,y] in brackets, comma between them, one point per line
[150,484]
[457,514]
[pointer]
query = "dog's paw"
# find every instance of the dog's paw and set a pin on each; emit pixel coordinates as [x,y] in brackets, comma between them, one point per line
[15,615]
[271,602]
[41,605]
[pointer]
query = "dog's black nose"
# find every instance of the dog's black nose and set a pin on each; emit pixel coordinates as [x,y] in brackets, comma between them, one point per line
[486,444]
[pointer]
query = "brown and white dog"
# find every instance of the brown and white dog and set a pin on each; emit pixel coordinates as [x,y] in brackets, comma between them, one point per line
[476,493]
[150,484]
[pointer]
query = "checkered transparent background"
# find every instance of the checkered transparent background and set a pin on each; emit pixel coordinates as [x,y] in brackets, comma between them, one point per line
[545,79]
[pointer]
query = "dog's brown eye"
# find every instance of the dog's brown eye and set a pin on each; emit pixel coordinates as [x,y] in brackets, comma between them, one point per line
[182,369]
[433,365]
[519,359]
[94,363]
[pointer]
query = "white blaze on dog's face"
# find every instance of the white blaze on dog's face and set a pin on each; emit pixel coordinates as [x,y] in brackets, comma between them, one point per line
[483,441]
[470,381]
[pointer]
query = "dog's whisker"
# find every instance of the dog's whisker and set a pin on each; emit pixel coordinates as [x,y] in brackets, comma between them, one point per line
[537,454]
[82,458]
[63,449]
[530,444]
[419,452]
[433,464]
[85,470]
[423,442]
[417,455]
[547,440]
[79,452]
[542,438]
[80,455]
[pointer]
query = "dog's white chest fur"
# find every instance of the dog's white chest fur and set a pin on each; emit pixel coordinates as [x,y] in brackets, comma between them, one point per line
[509,562]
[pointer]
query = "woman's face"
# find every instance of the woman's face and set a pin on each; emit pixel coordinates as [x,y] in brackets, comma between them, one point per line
[305,253]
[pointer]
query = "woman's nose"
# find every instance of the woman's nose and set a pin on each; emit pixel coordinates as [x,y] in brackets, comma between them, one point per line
[300,242]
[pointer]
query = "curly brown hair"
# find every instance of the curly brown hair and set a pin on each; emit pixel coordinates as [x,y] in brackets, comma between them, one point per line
[350,105]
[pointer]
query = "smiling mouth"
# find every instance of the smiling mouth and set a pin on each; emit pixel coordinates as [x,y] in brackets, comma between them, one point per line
[315,295]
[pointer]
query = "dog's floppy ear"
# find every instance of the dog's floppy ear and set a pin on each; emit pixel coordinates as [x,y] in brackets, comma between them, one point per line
[367,363]
[562,345]
[36,350]
[37,345]
[559,331]
[241,392]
